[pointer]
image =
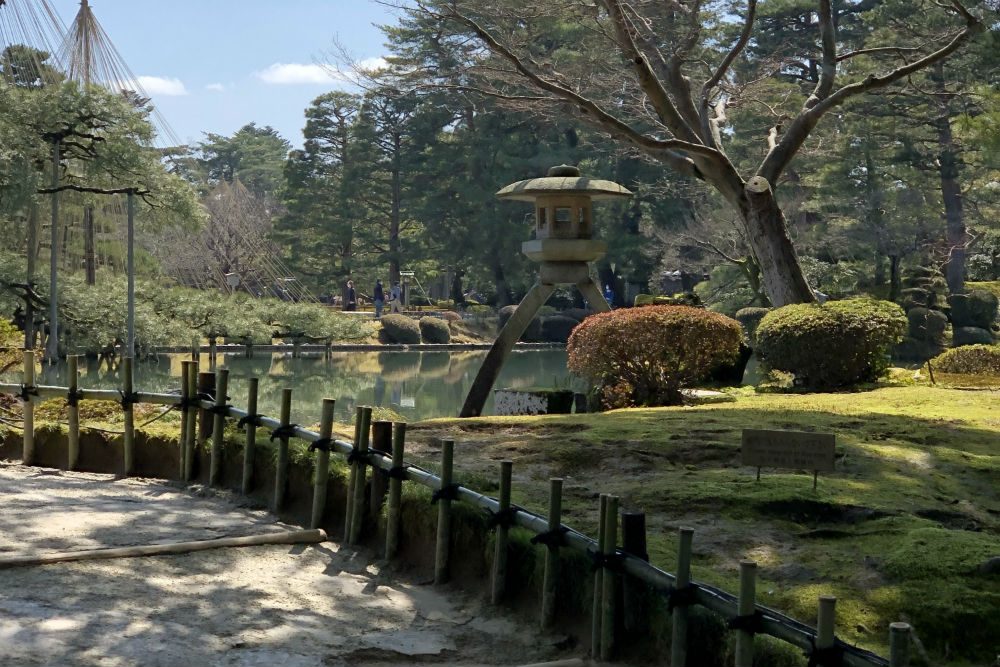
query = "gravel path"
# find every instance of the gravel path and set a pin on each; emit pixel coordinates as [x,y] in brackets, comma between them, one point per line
[299,606]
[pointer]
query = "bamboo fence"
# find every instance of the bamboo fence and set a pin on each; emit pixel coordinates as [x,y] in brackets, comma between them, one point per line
[614,566]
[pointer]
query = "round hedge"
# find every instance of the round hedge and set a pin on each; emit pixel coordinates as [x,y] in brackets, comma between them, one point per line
[969,360]
[400,329]
[749,319]
[434,330]
[836,344]
[644,356]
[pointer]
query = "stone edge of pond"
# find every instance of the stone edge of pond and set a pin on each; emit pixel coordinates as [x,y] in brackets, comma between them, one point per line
[447,347]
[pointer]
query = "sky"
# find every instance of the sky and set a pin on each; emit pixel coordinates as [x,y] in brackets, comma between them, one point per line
[216,65]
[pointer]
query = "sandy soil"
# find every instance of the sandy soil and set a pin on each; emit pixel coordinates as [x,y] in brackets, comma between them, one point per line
[299,606]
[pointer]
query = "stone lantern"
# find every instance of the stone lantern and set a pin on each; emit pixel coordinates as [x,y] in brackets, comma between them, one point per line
[563,246]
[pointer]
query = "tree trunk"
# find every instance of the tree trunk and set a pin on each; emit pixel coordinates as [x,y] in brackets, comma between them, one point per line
[504,297]
[396,196]
[781,275]
[894,278]
[951,191]
[88,245]
[457,293]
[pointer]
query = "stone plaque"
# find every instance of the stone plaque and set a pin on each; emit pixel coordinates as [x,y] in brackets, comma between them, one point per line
[788,449]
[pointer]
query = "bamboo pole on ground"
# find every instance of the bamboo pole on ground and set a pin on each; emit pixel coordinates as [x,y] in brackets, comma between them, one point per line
[129,436]
[218,425]
[251,443]
[353,478]
[608,585]
[442,551]
[551,573]
[747,605]
[28,408]
[899,645]
[190,437]
[499,586]
[73,412]
[322,464]
[678,641]
[595,621]
[281,463]
[185,416]
[381,442]
[361,466]
[395,492]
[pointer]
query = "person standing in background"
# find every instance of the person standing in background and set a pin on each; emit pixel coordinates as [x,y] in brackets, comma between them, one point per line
[351,302]
[378,296]
[395,298]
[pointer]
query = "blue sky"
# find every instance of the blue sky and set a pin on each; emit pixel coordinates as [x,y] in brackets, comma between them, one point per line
[215,65]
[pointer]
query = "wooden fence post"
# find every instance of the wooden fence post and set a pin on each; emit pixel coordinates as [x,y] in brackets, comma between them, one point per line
[747,606]
[499,586]
[322,463]
[206,387]
[595,623]
[826,622]
[381,442]
[899,645]
[191,434]
[635,593]
[185,414]
[442,551]
[127,406]
[218,425]
[361,466]
[395,492]
[551,573]
[353,479]
[251,443]
[28,407]
[281,464]
[678,638]
[608,597]
[73,411]
[213,349]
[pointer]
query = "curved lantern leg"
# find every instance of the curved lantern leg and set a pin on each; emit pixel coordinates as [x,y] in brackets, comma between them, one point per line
[592,293]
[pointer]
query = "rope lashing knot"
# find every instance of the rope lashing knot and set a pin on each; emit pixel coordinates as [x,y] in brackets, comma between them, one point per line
[397,472]
[249,419]
[219,410]
[449,492]
[284,431]
[552,538]
[752,623]
[189,402]
[128,400]
[73,398]
[503,518]
[831,656]
[323,445]
[610,562]
[359,456]
[27,391]
[680,597]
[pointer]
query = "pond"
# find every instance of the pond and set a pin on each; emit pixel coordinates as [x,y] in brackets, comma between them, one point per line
[416,385]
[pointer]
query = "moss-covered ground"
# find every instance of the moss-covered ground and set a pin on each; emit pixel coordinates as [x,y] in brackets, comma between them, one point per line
[901,530]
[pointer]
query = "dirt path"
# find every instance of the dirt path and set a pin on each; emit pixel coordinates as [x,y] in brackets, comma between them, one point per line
[300,606]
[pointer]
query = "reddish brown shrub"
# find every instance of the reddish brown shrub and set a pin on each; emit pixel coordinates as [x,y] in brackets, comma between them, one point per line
[644,356]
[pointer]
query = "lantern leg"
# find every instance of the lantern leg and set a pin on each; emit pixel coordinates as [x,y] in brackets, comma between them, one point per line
[592,293]
[502,346]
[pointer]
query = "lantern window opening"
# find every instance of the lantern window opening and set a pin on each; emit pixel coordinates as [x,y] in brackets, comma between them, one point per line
[543,219]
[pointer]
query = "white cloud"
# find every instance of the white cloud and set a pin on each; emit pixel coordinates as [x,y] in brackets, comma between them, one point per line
[370,64]
[216,87]
[283,74]
[158,85]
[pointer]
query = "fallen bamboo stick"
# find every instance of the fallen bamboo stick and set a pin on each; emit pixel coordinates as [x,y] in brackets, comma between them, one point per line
[285,537]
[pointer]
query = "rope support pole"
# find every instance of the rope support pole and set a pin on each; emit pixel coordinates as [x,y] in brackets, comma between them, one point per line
[595,623]
[360,465]
[353,479]
[28,407]
[747,607]
[442,551]
[191,433]
[281,465]
[128,400]
[218,425]
[322,473]
[73,412]
[551,573]
[609,584]
[499,579]
[251,437]
[395,490]
[678,636]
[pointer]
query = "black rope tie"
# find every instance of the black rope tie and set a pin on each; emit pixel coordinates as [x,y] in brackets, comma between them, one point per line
[27,391]
[397,472]
[831,656]
[73,398]
[284,431]
[249,419]
[128,400]
[358,456]
[503,518]
[449,492]
[752,623]
[323,445]
[680,597]
[602,561]
[552,538]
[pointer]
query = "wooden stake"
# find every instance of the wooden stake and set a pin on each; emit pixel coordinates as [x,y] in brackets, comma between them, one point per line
[381,442]
[550,577]
[73,412]
[28,380]
[185,415]
[747,606]
[322,464]
[899,645]
[190,437]
[218,426]
[213,349]
[678,640]
[442,552]
[635,593]
[358,506]
[251,444]
[129,438]
[353,479]
[206,387]
[281,465]
[395,493]
[827,621]
[608,596]
[499,586]
[595,624]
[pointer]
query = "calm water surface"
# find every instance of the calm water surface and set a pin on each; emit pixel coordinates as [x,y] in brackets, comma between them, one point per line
[416,385]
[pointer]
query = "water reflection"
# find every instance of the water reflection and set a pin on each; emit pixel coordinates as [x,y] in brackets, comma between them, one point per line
[417,385]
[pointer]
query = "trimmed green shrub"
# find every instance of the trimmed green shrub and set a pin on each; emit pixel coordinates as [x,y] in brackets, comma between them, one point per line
[434,330]
[969,360]
[479,310]
[927,325]
[837,344]
[557,329]
[644,356]
[679,299]
[971,336]
[977,309]
[400,329]
[749,319]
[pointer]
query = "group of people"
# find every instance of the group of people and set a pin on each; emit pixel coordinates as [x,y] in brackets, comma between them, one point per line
[378,298]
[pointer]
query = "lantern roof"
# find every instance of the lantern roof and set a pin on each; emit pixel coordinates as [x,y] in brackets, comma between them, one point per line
[563,180]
